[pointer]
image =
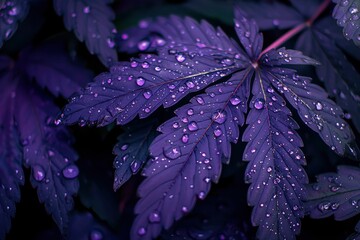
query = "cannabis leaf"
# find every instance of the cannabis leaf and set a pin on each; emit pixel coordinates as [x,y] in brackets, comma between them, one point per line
[11,12]
[132,150]
[322,40]
[142,85]
[346,12]
[30,137]
[188,153]
[92,22]
[50,66]
[335,194]
[11,174]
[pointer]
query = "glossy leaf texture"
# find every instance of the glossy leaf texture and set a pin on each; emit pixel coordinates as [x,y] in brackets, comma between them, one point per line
[323,41]
[31,138]
[132,150]
[347,14]
[47,152]
[335,194]
[51,67]
[11,13]
[11,157]
[188,154]
[150,35]
[314,108]
[91,21]
[142,85]
[274,170]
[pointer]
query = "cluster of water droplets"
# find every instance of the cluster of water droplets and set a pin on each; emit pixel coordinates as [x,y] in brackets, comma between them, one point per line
[10,13]
[351,17]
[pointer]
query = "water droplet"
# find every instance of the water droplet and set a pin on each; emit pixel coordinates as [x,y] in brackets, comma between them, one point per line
[235,101]
[185,138]
[147,94]
[125,157]
[154,218]
[200,100]
[190,84]
[134,64]
[217,132]
[134,166]
[324,206]
[184,209]
[95,234]
[124,147]
[319,106]
[157,68]
[259,103]
[219,117]
[269,169]
[180,58]
[193,126]
[140,81]
[201,195]
[70,171]
[175,125]
[145,65]
[143,45]
[190,111]
[172,152]
[13,11]
[335,206]
[110,43]
[142,231]
[86,9]
[275,22]
[38,173]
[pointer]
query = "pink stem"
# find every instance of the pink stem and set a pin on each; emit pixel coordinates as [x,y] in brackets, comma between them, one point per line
[297,29]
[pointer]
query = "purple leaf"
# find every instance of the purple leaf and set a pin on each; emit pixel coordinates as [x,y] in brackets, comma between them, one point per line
[46,152]
[132,150]
[282,56]
[92,22]
[335,194]
[248,32]
[142,85]
[274,15]
[346,12]
[314,108]
[338,74]
[321,40]
[152,35]
[274,170]
[11,174]
[11,12]
[188,155]
[52,68]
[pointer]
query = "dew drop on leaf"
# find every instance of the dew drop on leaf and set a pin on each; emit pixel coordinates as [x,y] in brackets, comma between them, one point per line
[124,147]
[140,81]
[217,132]
[38,173]
[185,138]
[172,152]
[154,218]
[259,103]
[141,231]
[95,234]
[193,126]
[180,58]
[319,106]
[143,45]
[235,101]
[70,171]
[219,117]
[147,94]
